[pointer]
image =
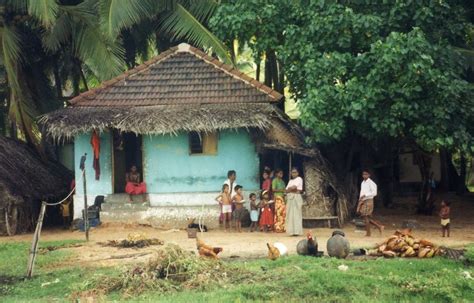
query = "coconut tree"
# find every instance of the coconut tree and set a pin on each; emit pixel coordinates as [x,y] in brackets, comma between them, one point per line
[60,37]
[167,21]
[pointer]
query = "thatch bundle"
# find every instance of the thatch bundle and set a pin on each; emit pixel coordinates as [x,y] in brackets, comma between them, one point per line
[24,180]
[159,119]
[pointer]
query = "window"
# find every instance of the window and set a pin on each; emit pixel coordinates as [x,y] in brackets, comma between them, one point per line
[202,143]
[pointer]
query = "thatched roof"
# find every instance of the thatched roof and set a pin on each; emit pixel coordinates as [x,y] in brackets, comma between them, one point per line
[160,119]
[182,89]
[24,175]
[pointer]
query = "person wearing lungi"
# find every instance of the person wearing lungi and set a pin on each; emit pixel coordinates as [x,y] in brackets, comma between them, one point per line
[365,206]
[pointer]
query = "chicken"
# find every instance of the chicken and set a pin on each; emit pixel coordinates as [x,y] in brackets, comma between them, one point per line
[273,252]
[206,250]
[311,245]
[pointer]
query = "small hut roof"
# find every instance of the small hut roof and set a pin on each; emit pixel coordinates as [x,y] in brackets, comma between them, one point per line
[24,174]
[182,89]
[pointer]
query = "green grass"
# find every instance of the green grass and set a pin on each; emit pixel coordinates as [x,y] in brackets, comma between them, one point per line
[291,279]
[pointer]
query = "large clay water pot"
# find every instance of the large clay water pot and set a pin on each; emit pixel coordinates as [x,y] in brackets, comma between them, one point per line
[338,246]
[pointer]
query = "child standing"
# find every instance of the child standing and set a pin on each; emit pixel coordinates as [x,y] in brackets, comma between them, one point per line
[238,199]
[253,212]
[226,205]
[266,219]
[66,214]
[444,215]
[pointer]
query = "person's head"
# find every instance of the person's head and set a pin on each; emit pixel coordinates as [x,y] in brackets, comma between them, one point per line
[253,197]
[294,172]
[279,173]
[231,175]
[238,189]
[445,203]
[265,195]
[225,188]
[265,175]
[133,169]
[365,174]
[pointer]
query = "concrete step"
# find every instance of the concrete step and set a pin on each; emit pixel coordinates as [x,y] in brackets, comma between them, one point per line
[123,198]
[125,206]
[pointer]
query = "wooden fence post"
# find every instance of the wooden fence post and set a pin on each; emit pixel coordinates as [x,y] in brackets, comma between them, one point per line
[34,243]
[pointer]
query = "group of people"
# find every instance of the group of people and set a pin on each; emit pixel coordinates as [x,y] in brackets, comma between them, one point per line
[279,208]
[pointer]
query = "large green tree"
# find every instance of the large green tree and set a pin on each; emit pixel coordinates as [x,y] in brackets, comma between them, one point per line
[370,78]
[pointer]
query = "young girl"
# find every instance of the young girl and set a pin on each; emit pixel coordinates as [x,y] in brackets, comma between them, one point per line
[444,215]
[253,212]
[238,199]
[226,204]
[266,219]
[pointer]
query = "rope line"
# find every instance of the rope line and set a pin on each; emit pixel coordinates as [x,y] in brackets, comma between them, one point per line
[69,195]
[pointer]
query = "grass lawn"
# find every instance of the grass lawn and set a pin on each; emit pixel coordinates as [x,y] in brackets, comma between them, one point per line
[291,279]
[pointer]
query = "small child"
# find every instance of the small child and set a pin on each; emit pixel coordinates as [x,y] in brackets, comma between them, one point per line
[239,211]
[226,205]
[66,214]
[253,212]
[266,219]
[444,215]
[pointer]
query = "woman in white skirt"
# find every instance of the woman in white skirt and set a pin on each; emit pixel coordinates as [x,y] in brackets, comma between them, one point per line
[294,204]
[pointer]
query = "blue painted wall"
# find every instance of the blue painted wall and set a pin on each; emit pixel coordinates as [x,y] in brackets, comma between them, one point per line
[169,168]
[82,145]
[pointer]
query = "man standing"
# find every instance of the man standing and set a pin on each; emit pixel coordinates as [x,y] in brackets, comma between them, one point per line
[231,181]
[365,207]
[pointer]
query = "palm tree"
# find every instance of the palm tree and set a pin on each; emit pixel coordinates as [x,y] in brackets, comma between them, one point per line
[169,21]
[34,36]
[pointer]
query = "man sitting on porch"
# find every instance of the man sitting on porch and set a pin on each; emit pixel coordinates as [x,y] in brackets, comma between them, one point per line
[134,186]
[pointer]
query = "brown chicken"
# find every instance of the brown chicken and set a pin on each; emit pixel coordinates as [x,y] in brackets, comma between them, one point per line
[273,252]
[206,250]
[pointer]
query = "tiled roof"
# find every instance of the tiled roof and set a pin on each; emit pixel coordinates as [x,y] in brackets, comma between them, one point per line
[181,75]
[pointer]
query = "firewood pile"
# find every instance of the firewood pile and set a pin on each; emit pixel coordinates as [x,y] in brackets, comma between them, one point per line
[403,244]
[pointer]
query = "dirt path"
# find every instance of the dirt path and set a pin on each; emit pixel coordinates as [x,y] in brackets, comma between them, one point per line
[252,245]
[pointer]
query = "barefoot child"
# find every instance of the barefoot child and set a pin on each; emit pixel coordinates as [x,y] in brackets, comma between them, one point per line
[266,219]
[253,212]
[238,199]
[225,202]
[444,215]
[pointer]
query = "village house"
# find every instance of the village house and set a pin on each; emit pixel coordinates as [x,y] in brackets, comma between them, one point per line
[184,119]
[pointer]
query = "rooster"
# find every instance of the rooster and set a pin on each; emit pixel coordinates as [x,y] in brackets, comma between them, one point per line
[205,250]
[311,245]
[273,252]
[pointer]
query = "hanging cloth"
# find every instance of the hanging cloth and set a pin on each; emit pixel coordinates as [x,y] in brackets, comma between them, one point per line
[95,142]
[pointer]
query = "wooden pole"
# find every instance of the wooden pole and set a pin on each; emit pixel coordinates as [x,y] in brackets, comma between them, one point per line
[86,215]
[34,243]
[289,168]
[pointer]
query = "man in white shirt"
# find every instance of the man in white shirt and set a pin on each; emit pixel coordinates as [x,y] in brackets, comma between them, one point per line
[365,207]
[232,182]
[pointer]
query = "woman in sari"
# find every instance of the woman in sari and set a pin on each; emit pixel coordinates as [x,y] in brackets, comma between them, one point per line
[294,204]
[278,189]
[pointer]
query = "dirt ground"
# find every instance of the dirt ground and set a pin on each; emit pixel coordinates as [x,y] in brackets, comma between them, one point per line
[253,245]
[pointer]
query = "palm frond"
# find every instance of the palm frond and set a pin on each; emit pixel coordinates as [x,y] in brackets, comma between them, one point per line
[58,34]
[117,14]
[181,24]
[103,57]
[203,10]
[468,55]
[17,5]
[45,11]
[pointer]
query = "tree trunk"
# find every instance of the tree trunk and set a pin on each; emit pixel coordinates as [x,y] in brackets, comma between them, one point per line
[444,182]
[57,80]
[461,182]
[257,75]
[425,198]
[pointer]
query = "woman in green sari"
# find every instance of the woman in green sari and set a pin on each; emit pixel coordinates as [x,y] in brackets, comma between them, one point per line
[278,189]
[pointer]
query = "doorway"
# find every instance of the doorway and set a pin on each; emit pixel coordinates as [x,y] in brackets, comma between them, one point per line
[127,152]
[275,159]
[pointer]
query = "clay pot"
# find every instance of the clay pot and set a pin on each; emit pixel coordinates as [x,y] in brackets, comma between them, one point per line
[338,246]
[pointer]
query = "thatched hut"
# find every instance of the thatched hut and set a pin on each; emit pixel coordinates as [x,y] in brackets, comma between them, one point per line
[25,181]
[184,119]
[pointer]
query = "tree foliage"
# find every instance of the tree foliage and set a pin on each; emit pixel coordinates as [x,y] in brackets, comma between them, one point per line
[386,70]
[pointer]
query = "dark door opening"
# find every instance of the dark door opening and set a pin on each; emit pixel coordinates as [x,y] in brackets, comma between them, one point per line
[275,159]
[127,152]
